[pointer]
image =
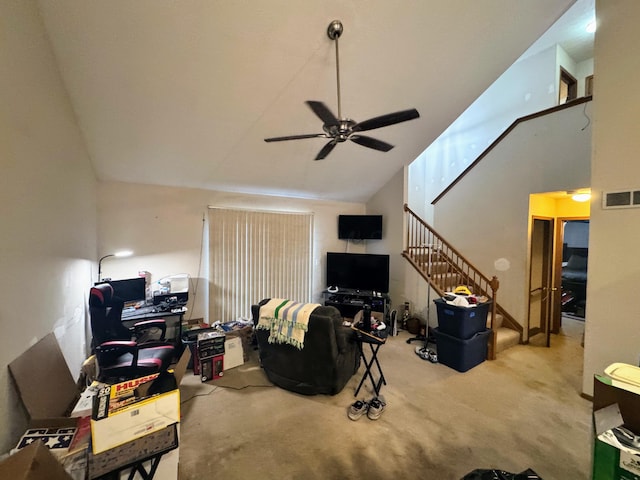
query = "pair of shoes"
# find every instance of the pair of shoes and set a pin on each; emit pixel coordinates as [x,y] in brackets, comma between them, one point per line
[426,354]
[422,352]
[357,409]
[376,407]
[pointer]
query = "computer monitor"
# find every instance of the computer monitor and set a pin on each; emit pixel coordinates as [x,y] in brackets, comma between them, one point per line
[130,289]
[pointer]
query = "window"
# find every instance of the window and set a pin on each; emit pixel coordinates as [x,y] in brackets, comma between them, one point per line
[256,255]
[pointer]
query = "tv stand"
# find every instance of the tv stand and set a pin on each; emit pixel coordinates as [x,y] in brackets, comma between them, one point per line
[350,301]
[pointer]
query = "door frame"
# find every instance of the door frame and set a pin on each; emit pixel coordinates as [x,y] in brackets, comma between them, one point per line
[556,322]
[548,287]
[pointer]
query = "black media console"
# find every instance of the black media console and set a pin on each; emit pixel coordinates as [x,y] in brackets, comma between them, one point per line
[349,301]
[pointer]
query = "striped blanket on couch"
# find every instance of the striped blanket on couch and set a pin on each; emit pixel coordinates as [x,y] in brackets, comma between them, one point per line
[286,320]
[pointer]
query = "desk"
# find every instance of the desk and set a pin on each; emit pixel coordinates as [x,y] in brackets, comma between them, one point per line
[374,343]
[152,313]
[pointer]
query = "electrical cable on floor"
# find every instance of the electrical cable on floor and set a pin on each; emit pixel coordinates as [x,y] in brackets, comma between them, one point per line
[218,387]
[246,386]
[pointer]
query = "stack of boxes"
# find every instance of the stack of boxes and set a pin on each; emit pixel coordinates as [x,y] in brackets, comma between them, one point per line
[210,355]
[461,336]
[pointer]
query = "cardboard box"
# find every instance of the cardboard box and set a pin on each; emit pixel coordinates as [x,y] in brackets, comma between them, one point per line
[125,411]
[233,353]
[615,404]
[34,462]
[44,381]
[212,368]
[45,385]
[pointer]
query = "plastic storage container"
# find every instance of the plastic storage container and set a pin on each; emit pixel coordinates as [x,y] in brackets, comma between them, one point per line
[461,322]
[459,354]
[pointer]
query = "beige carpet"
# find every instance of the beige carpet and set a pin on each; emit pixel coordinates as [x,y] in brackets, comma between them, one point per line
[520,411]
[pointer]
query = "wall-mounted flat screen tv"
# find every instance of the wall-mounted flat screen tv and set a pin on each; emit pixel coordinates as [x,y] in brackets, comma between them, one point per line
[360,227]
[358,271]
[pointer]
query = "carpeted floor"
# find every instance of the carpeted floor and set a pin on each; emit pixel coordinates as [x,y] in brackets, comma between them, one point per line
[523,410]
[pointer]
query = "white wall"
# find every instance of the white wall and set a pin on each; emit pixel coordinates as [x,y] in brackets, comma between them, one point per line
[389,202]
[47,208]
[164,228]
[526,87]
[611,332]
[486,216]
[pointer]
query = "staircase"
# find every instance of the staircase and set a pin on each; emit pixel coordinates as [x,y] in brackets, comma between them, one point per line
[444,268]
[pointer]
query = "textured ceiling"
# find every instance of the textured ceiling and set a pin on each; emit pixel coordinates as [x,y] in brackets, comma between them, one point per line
[183,93]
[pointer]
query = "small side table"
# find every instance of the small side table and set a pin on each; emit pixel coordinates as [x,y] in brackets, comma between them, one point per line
[374,343]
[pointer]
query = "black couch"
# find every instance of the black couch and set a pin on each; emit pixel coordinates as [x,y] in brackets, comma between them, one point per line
[328,360]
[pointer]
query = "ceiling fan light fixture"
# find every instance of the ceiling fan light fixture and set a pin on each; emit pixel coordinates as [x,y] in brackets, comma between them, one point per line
[338,129]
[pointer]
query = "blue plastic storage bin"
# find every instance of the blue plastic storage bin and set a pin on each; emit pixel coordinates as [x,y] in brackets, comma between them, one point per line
[459,354]
[461,322]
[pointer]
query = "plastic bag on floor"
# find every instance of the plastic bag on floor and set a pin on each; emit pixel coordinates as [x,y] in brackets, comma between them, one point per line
[480,474]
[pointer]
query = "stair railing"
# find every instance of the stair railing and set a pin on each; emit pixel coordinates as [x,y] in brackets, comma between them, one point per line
[444,268]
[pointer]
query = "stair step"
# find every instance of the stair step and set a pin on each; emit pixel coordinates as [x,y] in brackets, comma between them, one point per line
[447,281]
[498,322]
[506,338]
[436,268]
[427,257]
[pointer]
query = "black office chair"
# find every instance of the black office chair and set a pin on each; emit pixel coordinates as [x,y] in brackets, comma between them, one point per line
[124,353]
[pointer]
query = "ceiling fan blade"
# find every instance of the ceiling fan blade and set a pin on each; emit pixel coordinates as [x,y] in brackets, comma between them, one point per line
[326,150]
[386,120]
[296,137]
[323,112]
[371,143]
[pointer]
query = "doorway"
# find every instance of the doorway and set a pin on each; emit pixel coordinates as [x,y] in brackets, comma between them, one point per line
[573,278]
[541,289]
[568,87]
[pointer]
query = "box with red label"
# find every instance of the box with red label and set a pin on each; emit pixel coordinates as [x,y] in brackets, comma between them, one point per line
[212,368]
[128,410]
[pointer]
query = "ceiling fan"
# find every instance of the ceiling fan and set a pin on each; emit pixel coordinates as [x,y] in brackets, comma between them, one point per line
[338,129]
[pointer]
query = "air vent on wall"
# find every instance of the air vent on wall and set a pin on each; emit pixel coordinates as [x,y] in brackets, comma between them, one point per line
[621,199]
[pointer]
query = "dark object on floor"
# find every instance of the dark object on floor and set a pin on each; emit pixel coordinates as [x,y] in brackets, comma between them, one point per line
[328,360]
[480,474]
[459,354]
[413,325]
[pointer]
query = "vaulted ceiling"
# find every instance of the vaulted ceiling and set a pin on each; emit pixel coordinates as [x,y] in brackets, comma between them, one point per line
[182,93]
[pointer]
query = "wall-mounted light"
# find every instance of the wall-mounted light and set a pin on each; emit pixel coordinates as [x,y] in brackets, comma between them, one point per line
[121,253]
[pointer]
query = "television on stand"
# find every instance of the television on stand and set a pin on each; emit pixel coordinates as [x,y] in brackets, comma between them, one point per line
[358,271]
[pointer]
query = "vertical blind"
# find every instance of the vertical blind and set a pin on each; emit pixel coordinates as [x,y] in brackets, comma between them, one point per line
[256,255]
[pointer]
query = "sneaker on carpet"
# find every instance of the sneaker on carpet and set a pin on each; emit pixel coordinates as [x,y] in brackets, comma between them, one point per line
[427,354]
[433,356]
[376,407]
[357,409]
[422,352]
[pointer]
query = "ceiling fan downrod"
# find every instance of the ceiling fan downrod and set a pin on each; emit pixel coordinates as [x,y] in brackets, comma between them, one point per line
[334,31]
[338,129]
